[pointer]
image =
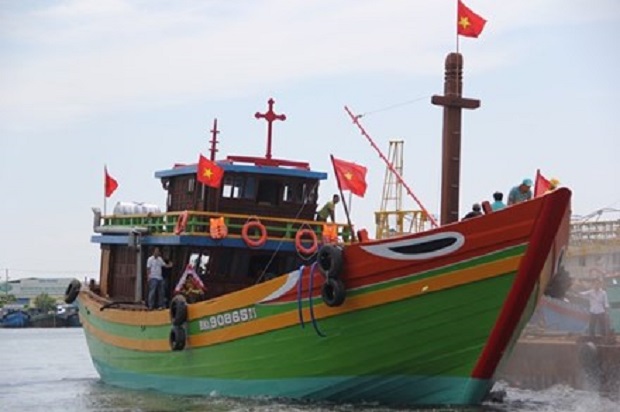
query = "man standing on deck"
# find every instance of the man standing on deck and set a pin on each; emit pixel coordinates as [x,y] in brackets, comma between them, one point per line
[154,265]
[328,210]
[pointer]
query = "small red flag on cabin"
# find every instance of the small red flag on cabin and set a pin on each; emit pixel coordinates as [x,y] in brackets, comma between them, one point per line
[209,173]
[543,185]
[468,23]
[350,176]
[110,184]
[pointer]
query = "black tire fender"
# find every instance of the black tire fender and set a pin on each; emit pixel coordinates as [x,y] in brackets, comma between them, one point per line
[178,310]
[178,338]
[329,260]
[72,291]
[333,292]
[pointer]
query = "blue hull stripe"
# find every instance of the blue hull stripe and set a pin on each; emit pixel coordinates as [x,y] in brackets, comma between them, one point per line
[393,390]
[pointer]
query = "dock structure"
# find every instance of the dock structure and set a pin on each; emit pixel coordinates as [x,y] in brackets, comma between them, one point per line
[554,348]
[539,362]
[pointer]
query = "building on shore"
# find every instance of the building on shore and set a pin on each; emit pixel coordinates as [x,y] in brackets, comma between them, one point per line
[27,289]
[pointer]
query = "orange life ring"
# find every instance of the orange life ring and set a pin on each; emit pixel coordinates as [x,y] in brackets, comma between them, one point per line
[245,233]
[181,223]
[299,244]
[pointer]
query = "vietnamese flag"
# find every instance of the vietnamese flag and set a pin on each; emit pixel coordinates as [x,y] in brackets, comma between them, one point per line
[541,185]
[350,176]
[468,23]
[209,173]
[110,184]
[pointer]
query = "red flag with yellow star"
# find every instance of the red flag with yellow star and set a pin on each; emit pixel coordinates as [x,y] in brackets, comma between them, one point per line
[468,23]
[209,173]
[350,176]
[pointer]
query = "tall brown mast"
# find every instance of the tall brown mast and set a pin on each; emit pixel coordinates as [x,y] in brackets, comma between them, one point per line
[214,141]
[453,103]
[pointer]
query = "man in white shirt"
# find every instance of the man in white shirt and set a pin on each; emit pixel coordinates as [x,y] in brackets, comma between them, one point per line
[598,307]
[154,265]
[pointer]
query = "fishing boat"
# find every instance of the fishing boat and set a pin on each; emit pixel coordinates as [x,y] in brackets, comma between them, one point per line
[63,317]
[302,309]
[14,319]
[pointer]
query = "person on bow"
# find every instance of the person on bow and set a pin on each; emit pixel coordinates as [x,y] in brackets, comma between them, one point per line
[476,211]
[553,184]
[498,201]
[520,193]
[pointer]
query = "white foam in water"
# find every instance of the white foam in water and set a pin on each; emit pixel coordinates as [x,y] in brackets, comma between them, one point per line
[559,398]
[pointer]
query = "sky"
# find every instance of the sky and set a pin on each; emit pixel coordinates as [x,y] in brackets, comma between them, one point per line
[136,85]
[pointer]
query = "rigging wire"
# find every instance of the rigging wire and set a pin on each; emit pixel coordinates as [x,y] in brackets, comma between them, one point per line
[394,106]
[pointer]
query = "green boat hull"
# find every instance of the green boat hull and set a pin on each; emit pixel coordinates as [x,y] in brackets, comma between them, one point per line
[424,350]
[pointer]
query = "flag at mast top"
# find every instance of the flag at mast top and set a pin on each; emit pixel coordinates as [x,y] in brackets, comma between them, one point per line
[468,23]
[110,184]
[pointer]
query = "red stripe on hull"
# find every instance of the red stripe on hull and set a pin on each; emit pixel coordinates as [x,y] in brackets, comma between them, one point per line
[484,235]
[546,232]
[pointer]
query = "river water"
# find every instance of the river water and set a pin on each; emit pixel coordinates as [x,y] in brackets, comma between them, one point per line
[50,370]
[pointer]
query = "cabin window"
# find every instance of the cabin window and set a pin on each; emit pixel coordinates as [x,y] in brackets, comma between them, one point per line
[288,193]
[237,189]
[308,191]
[234,187]
[227,188]
[299,193]
[268,192]
[190,185]
[250,188]
[169,201]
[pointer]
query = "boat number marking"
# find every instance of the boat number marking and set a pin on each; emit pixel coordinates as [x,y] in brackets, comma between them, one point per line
[228,318]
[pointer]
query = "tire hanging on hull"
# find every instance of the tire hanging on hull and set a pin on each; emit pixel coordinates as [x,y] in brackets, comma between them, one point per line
[177,338]
[178,310]
[329,260]
[72,291]
[333,292]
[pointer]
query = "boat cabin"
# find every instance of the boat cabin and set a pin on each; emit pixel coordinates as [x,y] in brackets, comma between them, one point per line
[242,232]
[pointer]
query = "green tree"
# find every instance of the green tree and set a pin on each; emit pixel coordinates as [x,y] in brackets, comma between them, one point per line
[5,299]
[44,303]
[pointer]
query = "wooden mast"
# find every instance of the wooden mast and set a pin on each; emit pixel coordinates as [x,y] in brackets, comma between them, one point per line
[453,103]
